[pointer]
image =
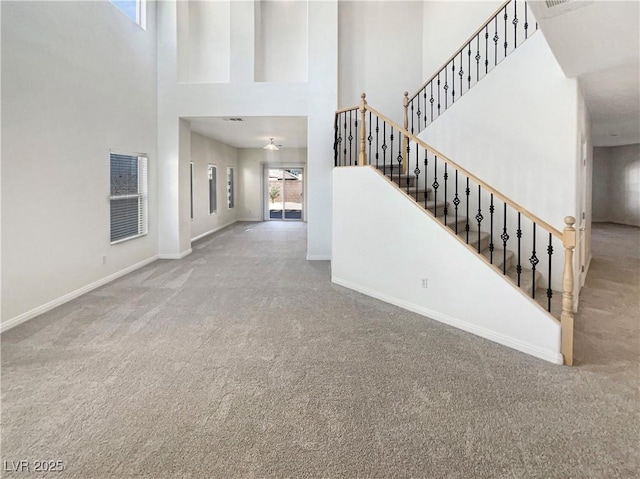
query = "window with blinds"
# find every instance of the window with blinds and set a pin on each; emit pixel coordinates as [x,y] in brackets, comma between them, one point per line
[129,203]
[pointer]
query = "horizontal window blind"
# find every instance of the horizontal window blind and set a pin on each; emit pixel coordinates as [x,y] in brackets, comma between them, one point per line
[129,202]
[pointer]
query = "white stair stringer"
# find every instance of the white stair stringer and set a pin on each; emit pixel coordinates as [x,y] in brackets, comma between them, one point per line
[385,245]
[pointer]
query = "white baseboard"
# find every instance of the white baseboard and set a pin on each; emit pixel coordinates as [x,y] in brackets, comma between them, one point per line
[214,230]
[318,257]
[6,325]
[175,255]
[531,349]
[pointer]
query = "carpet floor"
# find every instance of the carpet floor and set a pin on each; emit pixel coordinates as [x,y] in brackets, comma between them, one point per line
[243,360]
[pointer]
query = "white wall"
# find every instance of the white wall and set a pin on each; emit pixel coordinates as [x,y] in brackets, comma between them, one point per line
[78,79]
[251,176]
[446,26]
[373,219]
[380,53]
[281,41]
[517,130]
[616,184]
[204,152]
[204,41]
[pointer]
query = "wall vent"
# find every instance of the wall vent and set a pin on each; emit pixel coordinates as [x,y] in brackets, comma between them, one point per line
[553,8]
[233,119]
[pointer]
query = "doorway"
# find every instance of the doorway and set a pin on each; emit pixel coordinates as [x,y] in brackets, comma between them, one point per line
[284,194]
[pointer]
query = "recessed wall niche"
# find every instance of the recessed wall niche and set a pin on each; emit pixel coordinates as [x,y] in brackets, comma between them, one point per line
[281,45]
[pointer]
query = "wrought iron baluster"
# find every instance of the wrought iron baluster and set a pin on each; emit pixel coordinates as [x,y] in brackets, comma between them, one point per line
[412,117]
[435,185]
[432,100]
[456,202]
[526,21]
[479,216]
[417,172]
[495,41]
[461,73]
[515,24]
[446,91]
[384,147]
[391,153]
[425,104]
[355,161]
[438,94]
[519,236]
[350,139]
[469,69]
[453,80]
[335,141]
[445,209]
[486,49]
[467,192]
[370,137]
[505,31]
[426,173]
[491,210]
[399,160]
[505,237]
[377,141]
[345,139]
[418,115]
[534,262]
[478,57]
[549,291]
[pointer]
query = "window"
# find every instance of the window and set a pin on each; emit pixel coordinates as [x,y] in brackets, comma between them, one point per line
[213,190]
[230,187]
[129,204]
[191,186]
[136,10]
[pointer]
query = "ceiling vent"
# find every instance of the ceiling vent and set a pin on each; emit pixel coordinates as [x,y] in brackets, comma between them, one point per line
[553,8]
[233,118]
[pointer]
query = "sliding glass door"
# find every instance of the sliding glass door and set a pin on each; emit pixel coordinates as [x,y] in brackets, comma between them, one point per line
[285,193]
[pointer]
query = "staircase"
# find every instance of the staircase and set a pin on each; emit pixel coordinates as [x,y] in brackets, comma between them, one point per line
[516,244]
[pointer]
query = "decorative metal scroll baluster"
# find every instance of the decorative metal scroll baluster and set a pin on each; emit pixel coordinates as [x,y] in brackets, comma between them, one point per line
[469,69]
[526,21]
[478,57]
[370,137]
[432,100]
[505,31]
[456,202]
[335,141]
[417,172]
[384,146]
[446,91]
[445,210]
[426,171]
[350,140]
[377,142]
[486,49]
[357,137]
[399,160]
[534,262]
[453,81]
[418,115]
[479,217]
[515,23]
[438,94]
[461,73]
[345,138]
[412,117]
[505,237]
[491,210]
[549,291]
[435,185]
[467,192]
[391,153]
[519,236]
[495,41]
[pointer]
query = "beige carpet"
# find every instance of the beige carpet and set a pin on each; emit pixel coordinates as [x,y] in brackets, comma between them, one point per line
[244,361]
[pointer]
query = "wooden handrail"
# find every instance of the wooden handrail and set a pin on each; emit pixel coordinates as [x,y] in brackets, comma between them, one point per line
[555,232]
[445,64]
[349,108]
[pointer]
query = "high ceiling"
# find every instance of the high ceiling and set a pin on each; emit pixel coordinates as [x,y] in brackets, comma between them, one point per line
[598,42]
[254,131]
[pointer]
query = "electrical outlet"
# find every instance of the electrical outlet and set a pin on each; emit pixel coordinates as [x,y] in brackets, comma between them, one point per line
[423,282]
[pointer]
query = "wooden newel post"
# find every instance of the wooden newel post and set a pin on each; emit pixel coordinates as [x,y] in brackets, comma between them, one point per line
[405,142]
[362,157]
[566,317]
